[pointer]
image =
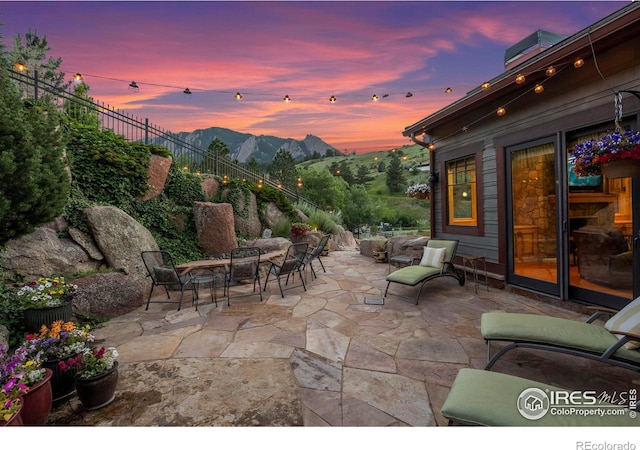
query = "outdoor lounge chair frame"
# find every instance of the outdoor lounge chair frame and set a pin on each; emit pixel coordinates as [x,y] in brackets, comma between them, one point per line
[612,349]
[416,274]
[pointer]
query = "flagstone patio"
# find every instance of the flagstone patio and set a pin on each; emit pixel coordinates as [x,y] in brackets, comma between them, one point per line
[318,358]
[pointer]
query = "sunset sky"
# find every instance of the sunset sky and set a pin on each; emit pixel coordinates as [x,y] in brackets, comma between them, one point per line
[306,50]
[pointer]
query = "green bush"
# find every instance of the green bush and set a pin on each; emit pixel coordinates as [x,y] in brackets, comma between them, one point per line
[323,221]
[282,228]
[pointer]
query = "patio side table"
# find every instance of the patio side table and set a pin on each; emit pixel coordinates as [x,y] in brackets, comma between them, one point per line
[472,263]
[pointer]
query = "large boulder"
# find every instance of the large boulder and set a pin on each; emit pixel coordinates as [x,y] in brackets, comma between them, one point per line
[43,253]
[246,222]
[109,294]
[120,238]
[272,215]
[210,186]
[412,246]
[342,240]
[215,228]
[157,172]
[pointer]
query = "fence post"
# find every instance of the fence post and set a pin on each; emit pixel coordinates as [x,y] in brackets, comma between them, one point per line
[35,84]
[146,130]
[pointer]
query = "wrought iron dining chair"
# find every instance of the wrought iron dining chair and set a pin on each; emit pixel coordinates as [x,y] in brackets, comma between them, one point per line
[292,263]
[243,265]
[315,254]
[163,273]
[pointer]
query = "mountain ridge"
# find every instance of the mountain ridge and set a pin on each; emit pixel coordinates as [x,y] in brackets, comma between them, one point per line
[243,146]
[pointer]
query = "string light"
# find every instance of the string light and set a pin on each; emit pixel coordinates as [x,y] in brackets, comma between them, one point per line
[186,91]
[133,86]
[538,89]
[374,98]
[501,111]
[551,71]
[485,85]
[332,99]
[287,99]
[578,63]
[20,66]
[78,77]
[431,147]
[520,78]
[448,90]
[238,96]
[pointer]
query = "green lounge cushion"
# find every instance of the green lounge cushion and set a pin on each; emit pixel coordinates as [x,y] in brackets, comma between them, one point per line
[412,275]
[551,330]
[481,397]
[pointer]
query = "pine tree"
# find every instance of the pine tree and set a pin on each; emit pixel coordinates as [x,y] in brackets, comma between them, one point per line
[395,178]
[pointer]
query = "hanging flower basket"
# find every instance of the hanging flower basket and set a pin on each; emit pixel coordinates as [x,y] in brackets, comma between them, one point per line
[419,190]
[604,156]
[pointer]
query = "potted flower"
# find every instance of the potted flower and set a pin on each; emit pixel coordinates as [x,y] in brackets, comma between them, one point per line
[615,155]
[11,389]
[46,300]
[61,340]
[298,230]
[96,373]
[28,372]
[11,402]
[418,190]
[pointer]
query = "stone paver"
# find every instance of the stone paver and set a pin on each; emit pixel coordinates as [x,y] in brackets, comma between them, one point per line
[319,357]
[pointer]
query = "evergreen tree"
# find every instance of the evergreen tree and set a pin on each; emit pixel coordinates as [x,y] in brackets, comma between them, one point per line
[35,185]
[359,208]
[216,149]
[395,178]
[362,174]
[283,168]
[32,52]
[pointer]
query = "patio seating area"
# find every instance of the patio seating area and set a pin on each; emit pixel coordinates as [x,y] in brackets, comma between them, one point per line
[320,357]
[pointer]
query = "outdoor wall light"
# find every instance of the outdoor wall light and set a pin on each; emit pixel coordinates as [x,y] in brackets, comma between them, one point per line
[433,178]
[431,147]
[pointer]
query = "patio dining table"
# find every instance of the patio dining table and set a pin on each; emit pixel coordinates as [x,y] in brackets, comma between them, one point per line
[187,267]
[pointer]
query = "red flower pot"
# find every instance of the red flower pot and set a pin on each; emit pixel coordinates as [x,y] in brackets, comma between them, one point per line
[37,401]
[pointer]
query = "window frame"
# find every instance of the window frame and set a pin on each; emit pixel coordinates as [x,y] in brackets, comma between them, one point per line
[458,228]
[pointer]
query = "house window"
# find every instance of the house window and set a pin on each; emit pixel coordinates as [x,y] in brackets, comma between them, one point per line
[462,192]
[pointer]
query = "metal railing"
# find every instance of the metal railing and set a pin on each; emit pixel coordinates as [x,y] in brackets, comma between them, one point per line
[137,129]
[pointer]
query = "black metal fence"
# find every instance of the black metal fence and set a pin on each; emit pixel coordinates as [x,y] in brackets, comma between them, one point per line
[138,129]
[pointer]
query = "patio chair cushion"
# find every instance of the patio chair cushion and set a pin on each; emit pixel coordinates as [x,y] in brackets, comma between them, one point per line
[627,320]
[554,331]
[433,257]
[412,275]
[481,397]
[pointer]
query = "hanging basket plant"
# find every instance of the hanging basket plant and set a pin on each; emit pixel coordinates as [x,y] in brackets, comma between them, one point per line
[418,190]
[597,154]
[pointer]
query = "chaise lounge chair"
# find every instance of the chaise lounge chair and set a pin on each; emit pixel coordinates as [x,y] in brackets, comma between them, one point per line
[615,343]
[436,262]
[483,398]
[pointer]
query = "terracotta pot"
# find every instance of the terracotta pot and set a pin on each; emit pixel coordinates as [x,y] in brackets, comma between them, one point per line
[622,168]
[34,318]
[37,401]
[63,382]
[98,391]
